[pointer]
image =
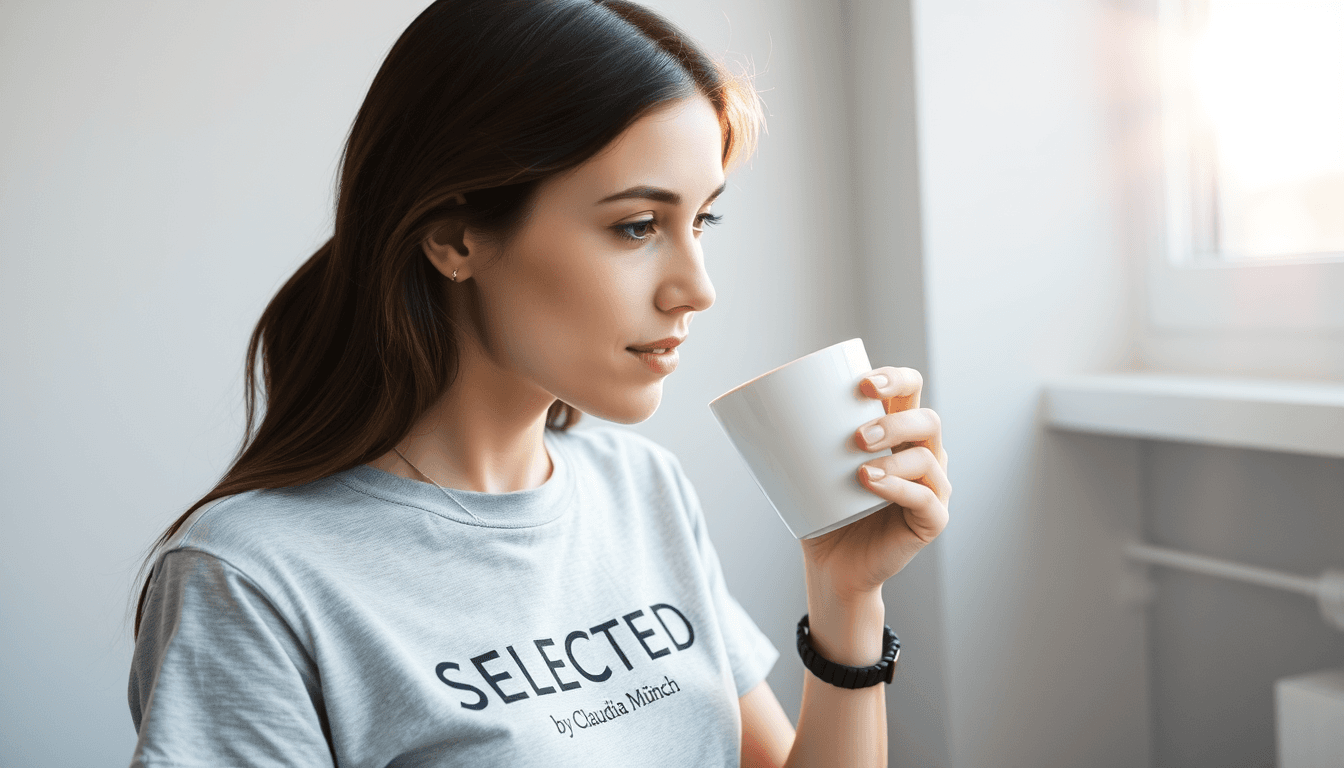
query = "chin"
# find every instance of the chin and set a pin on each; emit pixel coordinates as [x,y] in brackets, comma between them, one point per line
[629,407]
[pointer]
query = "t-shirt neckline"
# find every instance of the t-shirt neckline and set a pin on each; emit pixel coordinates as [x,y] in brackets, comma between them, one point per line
[516,509]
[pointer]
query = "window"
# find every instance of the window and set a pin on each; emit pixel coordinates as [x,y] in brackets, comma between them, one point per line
[1253,159]
[1256,126]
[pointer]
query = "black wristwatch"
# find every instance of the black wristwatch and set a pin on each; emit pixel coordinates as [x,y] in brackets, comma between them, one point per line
[844,676]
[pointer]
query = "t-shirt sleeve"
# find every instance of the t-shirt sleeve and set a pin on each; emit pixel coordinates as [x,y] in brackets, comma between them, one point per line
[218,677]
[750,652]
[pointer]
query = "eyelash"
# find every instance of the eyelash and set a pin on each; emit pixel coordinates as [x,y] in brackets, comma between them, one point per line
[704,219]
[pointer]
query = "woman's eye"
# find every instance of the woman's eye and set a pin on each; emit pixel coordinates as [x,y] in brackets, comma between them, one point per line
[706,219]
[639,231]
[634,230]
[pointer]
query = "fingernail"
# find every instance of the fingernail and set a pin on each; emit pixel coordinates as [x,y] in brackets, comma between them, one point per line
[879,381]
[874,473]
[872,433]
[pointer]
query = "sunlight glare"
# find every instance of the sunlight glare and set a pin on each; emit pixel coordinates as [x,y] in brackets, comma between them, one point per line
[1268,80]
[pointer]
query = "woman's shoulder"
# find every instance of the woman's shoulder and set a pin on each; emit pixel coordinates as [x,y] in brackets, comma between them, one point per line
[260,523]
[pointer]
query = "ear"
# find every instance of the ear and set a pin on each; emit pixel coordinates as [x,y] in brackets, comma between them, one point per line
[448,250]
[447,246]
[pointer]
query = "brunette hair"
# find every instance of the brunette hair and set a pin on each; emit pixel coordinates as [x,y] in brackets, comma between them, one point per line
[478,98]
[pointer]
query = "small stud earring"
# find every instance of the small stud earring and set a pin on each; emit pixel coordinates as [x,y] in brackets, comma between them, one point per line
[454,276]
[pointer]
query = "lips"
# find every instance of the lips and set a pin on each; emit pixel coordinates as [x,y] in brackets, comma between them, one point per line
[661,363]
[661,345]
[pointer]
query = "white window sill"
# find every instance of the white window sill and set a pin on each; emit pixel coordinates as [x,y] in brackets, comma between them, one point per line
[1265,414]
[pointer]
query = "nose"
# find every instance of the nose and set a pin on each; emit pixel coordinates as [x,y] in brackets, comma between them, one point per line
[685,283]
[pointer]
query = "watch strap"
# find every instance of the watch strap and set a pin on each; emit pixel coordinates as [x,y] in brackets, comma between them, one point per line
[845,676]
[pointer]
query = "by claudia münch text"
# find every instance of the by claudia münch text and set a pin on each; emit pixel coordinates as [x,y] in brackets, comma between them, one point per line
[583,719]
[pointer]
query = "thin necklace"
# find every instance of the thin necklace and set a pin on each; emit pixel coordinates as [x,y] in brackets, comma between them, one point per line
[436,485]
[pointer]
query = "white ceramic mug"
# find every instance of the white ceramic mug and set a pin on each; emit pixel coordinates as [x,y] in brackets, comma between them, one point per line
[795,428]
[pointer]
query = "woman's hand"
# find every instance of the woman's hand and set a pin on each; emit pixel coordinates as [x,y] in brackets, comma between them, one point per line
[853,562]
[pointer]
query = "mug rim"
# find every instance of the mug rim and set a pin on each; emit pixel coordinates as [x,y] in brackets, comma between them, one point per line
[776,369]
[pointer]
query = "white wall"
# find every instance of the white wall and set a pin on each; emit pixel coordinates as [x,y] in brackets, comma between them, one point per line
[164,167]
[1026,280]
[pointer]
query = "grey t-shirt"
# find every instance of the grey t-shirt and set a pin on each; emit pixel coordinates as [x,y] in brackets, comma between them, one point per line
[365,620]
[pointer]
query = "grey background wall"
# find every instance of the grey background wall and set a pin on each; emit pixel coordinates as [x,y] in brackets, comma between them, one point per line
[163,168]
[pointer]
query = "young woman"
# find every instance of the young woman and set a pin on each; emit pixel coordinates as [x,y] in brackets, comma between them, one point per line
[412,561]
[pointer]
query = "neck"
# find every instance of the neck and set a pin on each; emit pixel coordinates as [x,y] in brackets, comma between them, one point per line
[484,433]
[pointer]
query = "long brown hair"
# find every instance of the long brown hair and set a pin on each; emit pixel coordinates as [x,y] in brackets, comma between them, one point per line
[478,98]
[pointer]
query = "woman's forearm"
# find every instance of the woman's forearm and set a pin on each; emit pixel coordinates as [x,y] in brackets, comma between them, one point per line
[840,727]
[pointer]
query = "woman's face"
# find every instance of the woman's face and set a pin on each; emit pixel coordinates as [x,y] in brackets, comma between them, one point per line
[609,259]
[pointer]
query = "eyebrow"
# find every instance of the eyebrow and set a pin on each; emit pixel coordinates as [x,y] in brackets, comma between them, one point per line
[657,193]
